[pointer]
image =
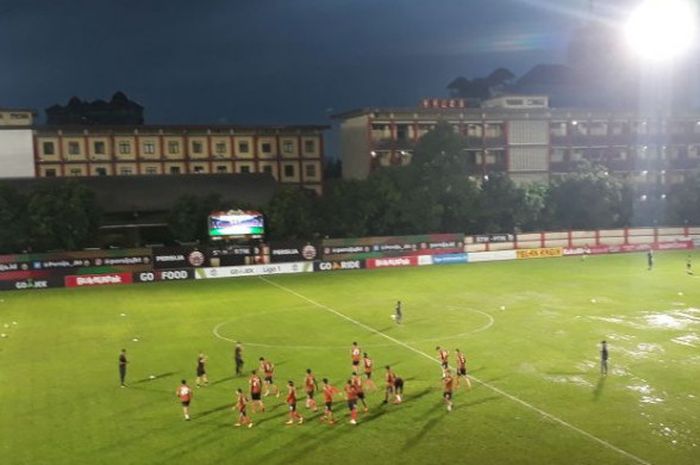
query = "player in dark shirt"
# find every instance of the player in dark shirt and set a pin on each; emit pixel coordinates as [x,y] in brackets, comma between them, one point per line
[603,358]
[688,265]
[238,357]
[122,367]
[398,314]
[650,259]
[201,371]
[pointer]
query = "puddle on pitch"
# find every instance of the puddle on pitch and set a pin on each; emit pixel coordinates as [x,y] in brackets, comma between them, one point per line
[690,340]
[647,393]
[568,379]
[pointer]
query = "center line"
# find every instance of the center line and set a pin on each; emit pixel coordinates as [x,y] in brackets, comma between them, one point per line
[483,383]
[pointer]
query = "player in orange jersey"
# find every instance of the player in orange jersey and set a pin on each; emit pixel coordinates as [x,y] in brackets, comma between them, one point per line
[310,386]
[292,404]
[184,393]
[355,356]
[328,393]
[241,402]
[357,381]
[390,377]
[443,357]
[462,368]
[268,370]
[256,385]
[368,365]
[351,396]
[447,381]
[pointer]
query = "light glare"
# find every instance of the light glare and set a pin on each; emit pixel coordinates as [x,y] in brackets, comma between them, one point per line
[662,29]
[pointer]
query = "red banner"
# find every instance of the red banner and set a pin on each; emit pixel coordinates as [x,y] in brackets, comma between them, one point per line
[392,262]
[98,279]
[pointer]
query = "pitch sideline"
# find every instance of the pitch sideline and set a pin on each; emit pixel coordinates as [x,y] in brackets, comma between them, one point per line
[483,383]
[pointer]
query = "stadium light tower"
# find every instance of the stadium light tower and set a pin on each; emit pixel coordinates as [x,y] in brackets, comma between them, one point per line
[661,30]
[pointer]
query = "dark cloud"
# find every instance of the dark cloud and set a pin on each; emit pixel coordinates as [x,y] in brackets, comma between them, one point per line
[265,60]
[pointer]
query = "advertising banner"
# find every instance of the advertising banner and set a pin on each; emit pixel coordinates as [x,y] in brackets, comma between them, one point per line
[488,238]
[539,253]
[196,257]
[280,252]
[98,279]
[392,262]
[87,261]
[253,270]
[339,265]
[392,246]
[449,259]
[493,256]
[163,275]
[28,284]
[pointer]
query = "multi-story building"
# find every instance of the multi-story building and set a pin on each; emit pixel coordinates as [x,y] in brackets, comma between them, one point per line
[522,136]
[291,154]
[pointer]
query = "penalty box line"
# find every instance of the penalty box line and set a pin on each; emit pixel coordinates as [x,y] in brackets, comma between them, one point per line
[483,383]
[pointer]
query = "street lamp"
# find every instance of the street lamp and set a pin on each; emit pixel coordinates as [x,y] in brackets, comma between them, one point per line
[661,30]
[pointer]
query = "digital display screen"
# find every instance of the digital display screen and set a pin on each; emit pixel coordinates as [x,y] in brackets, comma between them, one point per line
[236,224]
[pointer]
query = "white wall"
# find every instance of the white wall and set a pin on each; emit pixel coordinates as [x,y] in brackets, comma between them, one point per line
[354,147]
[16,153]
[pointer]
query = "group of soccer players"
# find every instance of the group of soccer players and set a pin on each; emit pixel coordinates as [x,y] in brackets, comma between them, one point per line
[353,391]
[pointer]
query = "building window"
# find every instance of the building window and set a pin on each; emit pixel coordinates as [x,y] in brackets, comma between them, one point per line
[198,169]
[75,171]
[289,171]
[73,148]
[221,169]
[125,171]
[151,170]
[288,146]
[174,170]
[266,147]
[245,169]
[309,146]
[173,147]
[49,148]
[220,148]
[197,147]
[50,173]
[99,148]
[267,169]
[310,171]
[243,147]
[124,148]
[101,171]
[149,148]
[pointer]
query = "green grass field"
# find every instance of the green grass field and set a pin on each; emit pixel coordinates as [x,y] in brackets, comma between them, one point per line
[537,396]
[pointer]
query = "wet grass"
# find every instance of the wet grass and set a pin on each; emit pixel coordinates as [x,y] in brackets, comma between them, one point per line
[62,403]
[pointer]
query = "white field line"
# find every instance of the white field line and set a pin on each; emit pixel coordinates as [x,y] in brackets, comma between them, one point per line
[483,383]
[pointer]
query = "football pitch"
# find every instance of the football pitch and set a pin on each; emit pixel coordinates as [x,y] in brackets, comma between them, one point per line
[530,329]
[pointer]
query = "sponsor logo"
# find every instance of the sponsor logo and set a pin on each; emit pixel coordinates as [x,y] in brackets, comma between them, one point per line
[170,258]
[391,262]
[493,238]
[253,270]
[308,252]
[449,259]
[98,279]
[32,284]
[539,253]
[339,265]
[167,275]
[9,267]
[196,258]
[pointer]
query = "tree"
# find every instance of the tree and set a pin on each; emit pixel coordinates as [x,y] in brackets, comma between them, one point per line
[481,88]
[683,201]
[62,216]
[187,219]
[501,204]
[587,198]
[14,235]
[292,214]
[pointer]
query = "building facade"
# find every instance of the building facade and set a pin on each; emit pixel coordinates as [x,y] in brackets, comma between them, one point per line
[291,154]
[522,136]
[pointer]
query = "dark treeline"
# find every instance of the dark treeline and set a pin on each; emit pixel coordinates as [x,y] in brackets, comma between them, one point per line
[437,192]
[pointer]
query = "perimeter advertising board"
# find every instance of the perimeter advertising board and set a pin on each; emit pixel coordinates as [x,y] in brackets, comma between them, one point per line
[392,246]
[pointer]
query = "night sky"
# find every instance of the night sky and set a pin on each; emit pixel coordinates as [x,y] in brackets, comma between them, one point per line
[269,61]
